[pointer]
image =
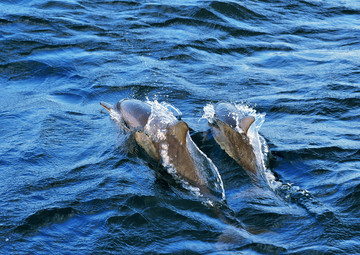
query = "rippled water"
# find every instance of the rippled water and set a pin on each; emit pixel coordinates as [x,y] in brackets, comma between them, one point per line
[69,182]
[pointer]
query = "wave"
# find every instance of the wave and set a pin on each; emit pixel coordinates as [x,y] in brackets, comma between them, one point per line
[61,5]
[44,218]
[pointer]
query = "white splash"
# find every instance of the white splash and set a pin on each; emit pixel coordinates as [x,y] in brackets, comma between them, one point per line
[159,119]
[209,113]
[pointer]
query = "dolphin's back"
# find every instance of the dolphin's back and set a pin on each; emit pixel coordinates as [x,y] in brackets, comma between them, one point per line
[227,113]
[231,116]
[134,112]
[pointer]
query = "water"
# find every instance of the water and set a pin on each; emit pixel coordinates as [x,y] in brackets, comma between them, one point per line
[70,184]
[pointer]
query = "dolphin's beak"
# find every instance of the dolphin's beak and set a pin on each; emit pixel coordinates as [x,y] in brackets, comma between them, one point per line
[107,106]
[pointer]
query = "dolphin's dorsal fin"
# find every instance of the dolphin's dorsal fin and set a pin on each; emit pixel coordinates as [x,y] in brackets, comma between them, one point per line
[179,130]
[246,122]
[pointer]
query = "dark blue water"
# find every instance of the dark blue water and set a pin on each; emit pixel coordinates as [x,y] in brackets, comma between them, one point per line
[70,184]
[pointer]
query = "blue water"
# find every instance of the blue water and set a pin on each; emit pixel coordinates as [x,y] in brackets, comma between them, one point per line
[69,182]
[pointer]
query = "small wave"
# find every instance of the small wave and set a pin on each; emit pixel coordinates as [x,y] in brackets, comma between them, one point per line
[44,218]
[136,220]
[337,153]
[71,97]
[350,201]
[30,19]
[235,10]
[70,5]
[216,26]
[21,70]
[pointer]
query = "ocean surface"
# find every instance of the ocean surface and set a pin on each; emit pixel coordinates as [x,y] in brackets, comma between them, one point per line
[70,182]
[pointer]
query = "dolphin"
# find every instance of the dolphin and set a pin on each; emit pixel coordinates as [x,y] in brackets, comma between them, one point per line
[166,140]
[230,128]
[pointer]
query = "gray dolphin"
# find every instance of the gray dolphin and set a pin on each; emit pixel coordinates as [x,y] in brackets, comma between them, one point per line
[229,128]
[166,139]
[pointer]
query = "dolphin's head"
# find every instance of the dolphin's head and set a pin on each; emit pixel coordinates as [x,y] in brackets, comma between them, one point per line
[134,113]
[227,113]
[230,115]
